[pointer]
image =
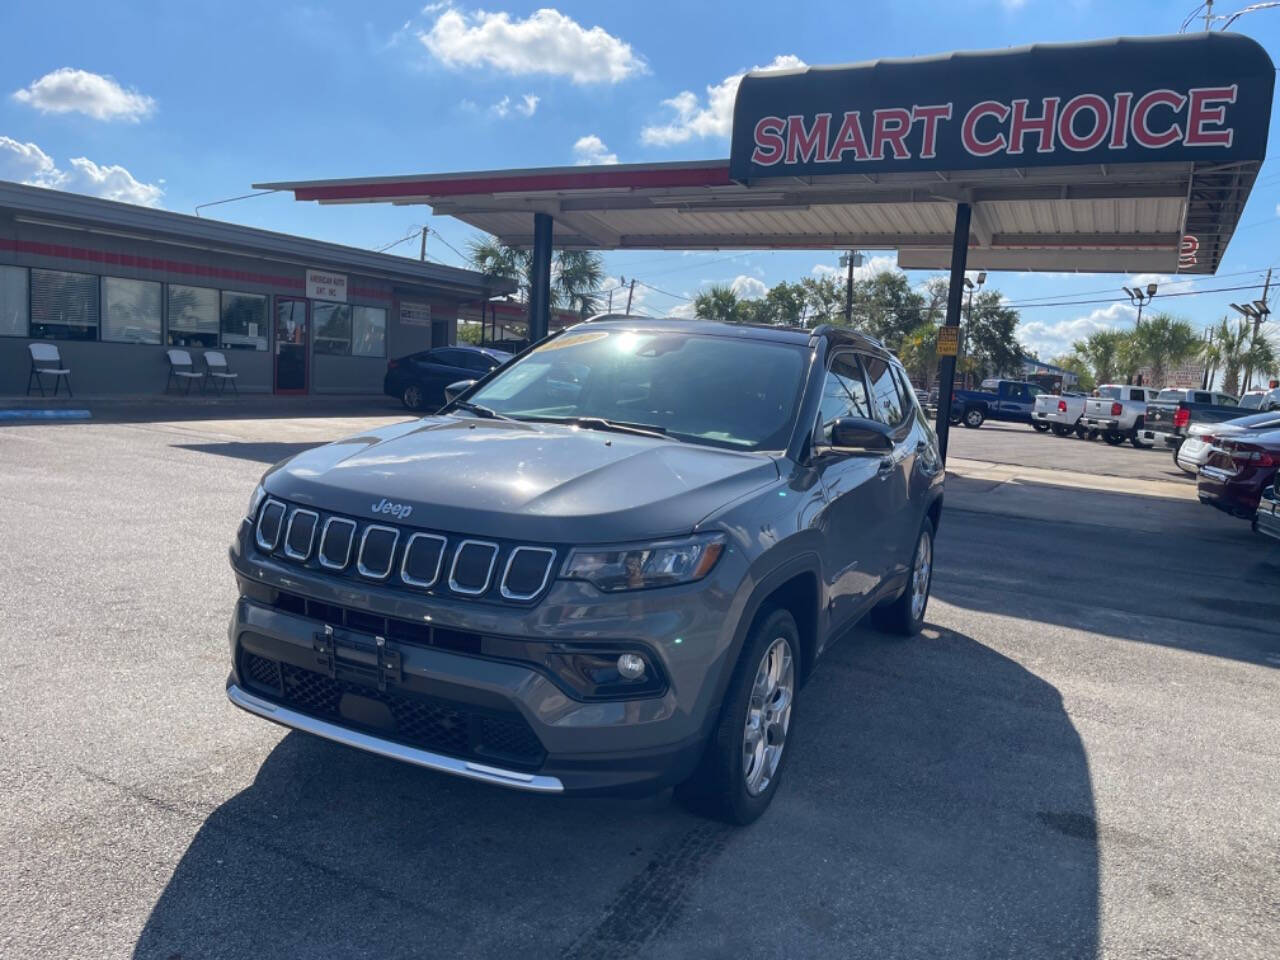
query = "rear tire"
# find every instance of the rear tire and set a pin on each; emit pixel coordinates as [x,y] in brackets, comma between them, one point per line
[1082,431]
[1113,439]
[1062,430]
[412,397]
[738,775]
[973,418]
[1040,427]
[905,615]
[1136,437]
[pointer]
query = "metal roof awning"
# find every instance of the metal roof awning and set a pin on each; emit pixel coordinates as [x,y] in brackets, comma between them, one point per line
[1122,155]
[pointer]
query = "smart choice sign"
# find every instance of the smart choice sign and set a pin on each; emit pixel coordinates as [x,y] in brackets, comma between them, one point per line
[1121,101]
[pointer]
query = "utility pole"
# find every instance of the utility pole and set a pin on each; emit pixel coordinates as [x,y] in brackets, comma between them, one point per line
[610,310]
[631,293]
[1257,312]
[422,254]
[849,260]
[1208,15]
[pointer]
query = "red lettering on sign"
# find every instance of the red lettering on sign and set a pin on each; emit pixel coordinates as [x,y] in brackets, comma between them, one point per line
[1120,121]
[849,137]
[969,129]
[1042,125]
[769,142]
[929,132]
[1200,113]
[1101,111]
[890,128]
[807,145]
[1142,131]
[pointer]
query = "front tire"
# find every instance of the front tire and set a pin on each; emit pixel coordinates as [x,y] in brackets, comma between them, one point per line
[905,615]
[412,397]
[741,768]
[973,418]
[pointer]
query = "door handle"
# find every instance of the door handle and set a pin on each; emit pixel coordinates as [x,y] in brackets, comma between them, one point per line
[886,466]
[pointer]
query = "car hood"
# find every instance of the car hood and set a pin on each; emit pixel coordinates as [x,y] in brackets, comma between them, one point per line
[527,481]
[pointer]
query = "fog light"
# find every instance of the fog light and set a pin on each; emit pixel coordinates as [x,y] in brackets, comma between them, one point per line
[630,666]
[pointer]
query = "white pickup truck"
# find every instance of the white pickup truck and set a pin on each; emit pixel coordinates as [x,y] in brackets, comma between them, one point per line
[1060,414]
[1118,412]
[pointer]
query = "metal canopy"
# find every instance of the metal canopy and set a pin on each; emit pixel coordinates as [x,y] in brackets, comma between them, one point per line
[1120,155]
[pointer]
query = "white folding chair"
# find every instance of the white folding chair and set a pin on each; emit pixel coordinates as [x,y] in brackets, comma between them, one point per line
[181,370]
[216,369]
[46,361]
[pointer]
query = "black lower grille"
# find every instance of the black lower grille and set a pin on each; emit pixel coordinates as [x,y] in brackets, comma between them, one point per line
[431,723]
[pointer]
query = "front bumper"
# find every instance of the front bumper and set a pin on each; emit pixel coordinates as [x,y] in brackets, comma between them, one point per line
[1267,520]
[360,691]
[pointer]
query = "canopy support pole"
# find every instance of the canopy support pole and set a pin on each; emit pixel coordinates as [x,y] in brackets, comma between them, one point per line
[955,292]
[540,281]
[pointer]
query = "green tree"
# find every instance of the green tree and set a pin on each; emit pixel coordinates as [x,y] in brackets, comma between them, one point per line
[1079,366]
[886,307]
[1238,350]
[1210,353]
[502,262]
[990,341]
[718,302]
[824,299]
[1101,351]
[1259,358]
[1161,342]
[918,351]
[576,275]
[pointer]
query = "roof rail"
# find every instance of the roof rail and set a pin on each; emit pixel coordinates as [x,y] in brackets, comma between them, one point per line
[614,316]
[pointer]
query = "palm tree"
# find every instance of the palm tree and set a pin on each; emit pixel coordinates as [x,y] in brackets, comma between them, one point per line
[1233,345]
[1211,352]
[578,276]
[1163,342]
[919,351]
[1260,357]
[1101,351]
[502,262]
[718,302]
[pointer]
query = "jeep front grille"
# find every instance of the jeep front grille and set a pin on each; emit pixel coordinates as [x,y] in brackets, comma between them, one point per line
[430,562]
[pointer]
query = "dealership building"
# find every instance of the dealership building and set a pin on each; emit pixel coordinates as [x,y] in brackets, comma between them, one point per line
[114,286]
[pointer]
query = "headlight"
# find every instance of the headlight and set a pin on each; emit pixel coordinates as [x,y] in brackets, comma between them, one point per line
[639,566]
[255,501]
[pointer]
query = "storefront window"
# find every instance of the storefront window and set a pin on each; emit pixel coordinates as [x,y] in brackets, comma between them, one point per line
[369,332]
[193,316]
[244,321]
[64,306]
[333,327]
[131,310]
[13,301]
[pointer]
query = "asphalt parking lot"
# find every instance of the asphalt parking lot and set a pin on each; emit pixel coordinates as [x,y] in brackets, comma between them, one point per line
[1078,758]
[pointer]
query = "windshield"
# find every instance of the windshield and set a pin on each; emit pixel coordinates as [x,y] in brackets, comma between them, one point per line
[723,391]
[1170,395]
[1252,401]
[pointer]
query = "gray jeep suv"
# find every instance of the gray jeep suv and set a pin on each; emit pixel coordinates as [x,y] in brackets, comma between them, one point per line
[609,565]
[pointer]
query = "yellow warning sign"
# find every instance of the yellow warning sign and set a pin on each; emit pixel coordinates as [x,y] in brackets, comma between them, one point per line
[948,341]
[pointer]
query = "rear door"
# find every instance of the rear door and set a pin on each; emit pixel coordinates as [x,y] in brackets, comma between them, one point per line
[895,411]
[858,495]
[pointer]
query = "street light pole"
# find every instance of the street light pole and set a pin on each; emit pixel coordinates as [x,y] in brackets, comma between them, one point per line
[1140,298]
[849,260]
[968,317]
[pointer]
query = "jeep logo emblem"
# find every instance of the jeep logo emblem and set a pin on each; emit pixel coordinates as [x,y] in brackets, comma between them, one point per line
[400,511]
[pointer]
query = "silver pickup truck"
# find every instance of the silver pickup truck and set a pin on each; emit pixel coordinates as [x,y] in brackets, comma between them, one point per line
[1118,413]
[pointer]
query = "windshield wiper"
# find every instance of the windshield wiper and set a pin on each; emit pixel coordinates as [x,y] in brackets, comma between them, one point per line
[615,426]
[480,411]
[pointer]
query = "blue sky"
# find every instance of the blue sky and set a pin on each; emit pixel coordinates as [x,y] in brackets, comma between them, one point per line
[180,104]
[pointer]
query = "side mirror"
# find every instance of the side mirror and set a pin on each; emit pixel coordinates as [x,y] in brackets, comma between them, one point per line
[457,389]
[859,433]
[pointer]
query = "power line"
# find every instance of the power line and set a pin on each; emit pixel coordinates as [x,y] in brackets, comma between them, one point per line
[665,293]
[244,196]
[1163,296]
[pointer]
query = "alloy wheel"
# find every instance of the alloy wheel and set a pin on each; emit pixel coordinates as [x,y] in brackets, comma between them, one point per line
[768,716]
[921,571]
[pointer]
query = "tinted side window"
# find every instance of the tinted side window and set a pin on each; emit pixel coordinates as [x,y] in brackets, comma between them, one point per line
[1203,398]
[885,401]
[477,362]
[449,357]
[1137,395]
[844,394]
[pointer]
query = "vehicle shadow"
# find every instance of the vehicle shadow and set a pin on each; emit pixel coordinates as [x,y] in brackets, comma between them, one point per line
[938,803]
[264,452]
[1173,573]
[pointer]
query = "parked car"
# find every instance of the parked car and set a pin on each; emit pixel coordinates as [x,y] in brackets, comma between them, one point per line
[618,587]
[419,379]
[1237,470]
[997,400]
[1117,412]
[1057,413]
[1171,414]
[1201,437]
[1267,520]
[1263,400]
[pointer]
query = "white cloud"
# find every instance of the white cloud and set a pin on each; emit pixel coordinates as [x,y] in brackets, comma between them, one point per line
[1051,339]
[529,104]
[546,42]
[78,91]
[682,311]
[1142,279]
[748,288]
[712,119]
[591,150]
[502,107]
[27,163]
[870,267]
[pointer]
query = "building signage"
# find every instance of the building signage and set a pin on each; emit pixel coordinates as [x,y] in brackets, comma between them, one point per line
[948,340]
[1202,97]
[415,314]
[323,285]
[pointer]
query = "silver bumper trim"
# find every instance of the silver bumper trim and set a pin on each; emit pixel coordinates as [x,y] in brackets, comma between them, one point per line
[389,748]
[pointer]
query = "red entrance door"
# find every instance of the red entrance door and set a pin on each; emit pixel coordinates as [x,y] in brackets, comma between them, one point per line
[292,344]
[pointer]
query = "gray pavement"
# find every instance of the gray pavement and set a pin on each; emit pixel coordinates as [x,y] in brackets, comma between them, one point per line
[1078,758]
